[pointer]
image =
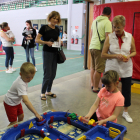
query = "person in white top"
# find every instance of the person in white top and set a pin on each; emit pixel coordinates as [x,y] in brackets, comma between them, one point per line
[119,48]
[18,92]
[65,39]
[7,38]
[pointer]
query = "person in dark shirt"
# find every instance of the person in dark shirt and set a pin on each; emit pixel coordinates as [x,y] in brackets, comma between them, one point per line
[28,42]
[49,33]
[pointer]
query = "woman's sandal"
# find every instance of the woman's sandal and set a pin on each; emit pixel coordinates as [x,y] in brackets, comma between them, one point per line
[43,98]
[52,95]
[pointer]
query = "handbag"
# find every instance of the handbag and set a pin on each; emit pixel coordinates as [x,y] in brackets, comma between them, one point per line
[101,41]
[60,56]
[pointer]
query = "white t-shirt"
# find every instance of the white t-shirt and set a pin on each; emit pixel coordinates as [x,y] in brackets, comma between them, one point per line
[6,43]
[124,69]
[14,96]
[64,36]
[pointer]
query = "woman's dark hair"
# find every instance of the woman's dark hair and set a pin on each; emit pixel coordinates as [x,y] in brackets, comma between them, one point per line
[107,11]
[54,14]
[65,32]
[109,77]
[29,21]
[3,25]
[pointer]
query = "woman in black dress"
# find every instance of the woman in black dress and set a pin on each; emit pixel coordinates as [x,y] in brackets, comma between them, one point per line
[50,33]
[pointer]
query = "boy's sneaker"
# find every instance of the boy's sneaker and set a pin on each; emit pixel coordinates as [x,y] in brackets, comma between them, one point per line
[127,117]
[9,71]
[35,68]
[36,50]
[13,69]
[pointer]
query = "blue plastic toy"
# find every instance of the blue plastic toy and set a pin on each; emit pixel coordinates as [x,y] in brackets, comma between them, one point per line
[58,126]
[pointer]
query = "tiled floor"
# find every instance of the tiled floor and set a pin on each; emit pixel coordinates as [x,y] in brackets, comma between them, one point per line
[74,94]
[73,64]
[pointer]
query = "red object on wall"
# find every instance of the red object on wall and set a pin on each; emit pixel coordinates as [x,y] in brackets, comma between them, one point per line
[76,27]
[72,40]
[76,41]
[126,9]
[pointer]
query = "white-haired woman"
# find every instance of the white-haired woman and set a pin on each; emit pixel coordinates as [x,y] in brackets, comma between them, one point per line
[119,48]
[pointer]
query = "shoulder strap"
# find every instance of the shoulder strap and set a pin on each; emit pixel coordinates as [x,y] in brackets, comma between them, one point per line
[97,31]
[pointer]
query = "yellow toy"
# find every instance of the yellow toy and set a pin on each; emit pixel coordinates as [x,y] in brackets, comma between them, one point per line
[125,58]
[89,122]
[82,138]
[31,125]
[113,133]
[135,88]
[46,138]
[98,138]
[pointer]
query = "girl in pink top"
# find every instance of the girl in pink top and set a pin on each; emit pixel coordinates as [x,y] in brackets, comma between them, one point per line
[109,101]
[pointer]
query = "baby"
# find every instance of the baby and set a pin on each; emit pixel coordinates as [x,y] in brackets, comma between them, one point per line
[10,34]
[27,33]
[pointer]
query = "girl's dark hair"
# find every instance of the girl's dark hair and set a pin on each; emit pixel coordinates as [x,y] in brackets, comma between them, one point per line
[54,14]
[3,25]
[65,32]
[29,21]
[109,77]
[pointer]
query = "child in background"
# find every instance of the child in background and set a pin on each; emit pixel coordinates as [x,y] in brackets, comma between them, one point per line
[18,92]
[109,101]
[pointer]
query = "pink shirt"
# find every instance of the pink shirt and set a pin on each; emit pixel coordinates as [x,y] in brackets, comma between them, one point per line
[108,102]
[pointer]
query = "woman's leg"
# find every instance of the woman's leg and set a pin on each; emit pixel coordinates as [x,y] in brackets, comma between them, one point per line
[27,53]
[53,74]
[47,67]
[37,46]
[11,56]
[126,92]
[6,49]
[32,55]
[64,43]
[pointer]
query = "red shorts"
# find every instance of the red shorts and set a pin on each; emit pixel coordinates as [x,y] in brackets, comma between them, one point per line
[13,111]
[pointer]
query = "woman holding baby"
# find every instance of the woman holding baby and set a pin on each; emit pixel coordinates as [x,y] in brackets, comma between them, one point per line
[119,48]
[7,38]
[28,42]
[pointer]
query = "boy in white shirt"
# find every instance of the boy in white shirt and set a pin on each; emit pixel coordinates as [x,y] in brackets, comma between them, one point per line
[18,92]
